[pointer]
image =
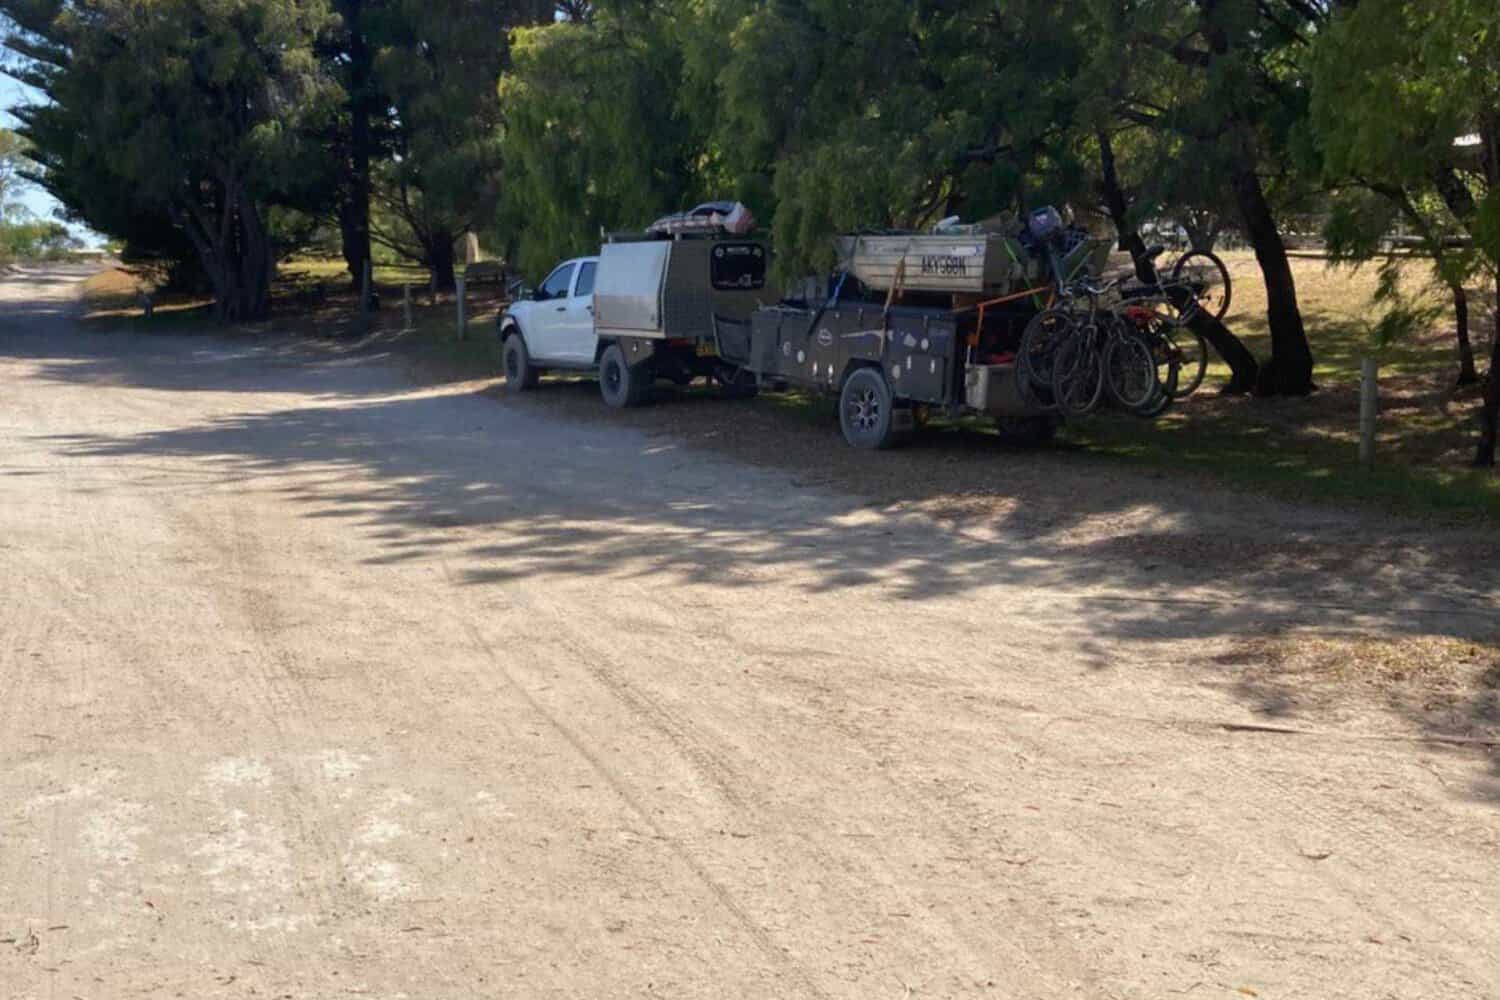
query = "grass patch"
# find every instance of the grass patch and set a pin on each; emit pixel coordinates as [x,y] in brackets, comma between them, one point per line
[1308,448]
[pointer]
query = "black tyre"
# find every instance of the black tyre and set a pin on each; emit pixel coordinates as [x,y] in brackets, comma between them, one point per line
[621,385]
[1078,374]
[1189,352]
[1047,331]
[867,410]
[1130,372]
[735,382]
[1208,278]
[515,360]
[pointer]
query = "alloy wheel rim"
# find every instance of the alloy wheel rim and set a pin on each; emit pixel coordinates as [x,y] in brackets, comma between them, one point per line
[864,410]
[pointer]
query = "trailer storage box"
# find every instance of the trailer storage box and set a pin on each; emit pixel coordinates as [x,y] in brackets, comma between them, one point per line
[992,389]
[976,264]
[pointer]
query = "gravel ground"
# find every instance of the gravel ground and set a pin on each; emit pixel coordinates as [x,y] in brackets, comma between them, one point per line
[321,680]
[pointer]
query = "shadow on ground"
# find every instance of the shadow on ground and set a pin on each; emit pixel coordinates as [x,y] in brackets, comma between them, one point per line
[701,491]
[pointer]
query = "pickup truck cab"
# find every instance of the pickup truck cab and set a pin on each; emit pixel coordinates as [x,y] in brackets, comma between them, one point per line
[553,327]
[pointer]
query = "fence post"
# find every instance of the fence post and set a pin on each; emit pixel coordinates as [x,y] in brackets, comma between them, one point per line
[1369,387]
[462,320]
[406,323]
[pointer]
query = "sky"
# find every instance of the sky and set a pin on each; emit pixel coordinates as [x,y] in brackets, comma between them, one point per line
[11,92]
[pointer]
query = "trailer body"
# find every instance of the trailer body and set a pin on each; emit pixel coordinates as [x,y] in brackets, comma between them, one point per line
[930,356]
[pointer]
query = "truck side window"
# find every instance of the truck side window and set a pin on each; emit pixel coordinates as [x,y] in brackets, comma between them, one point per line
[556,285]
[738,266]
[585,279]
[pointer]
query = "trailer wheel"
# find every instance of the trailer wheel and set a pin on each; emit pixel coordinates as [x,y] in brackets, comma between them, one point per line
[520,374]
[735,382]
[1026,432]
[621,385]
[867,410]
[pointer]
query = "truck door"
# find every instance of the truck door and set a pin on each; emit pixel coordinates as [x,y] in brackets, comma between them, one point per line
[579,319]
[548,337]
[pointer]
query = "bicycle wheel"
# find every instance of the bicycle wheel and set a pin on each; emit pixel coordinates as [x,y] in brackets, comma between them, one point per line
[1189,353]
[1206,275]
[1034,358]
[1130,371]
[1078,373]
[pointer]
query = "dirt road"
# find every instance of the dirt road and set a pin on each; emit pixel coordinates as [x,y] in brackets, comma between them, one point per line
[315,682]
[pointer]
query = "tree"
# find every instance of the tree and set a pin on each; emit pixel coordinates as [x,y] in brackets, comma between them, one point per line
[1364,214]
[885,114]
[438,63]
[1224,76]
[593,137]
[175,114]
[35,239]
[12,152]
[349,57]
[1408,93]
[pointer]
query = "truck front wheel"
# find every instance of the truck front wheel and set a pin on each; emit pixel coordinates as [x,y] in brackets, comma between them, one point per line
[867,410]
[520,374]
[621,385]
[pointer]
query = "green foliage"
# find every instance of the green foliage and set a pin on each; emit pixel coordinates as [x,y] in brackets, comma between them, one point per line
[1396,84]
[12,155]
[593,139]
[153,129]
[33,239]
[884,114]
[437,63]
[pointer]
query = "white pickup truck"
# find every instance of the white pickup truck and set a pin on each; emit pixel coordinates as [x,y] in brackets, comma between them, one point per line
[646,308]
[553,328]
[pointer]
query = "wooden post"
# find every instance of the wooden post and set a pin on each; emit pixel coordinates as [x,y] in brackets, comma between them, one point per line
[459,292]
[1369,387]
[406,323]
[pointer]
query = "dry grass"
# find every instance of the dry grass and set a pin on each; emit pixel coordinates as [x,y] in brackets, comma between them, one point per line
[1308,447]
[1450,685]
[114,295]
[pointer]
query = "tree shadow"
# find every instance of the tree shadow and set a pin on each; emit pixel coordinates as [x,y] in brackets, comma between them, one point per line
[696,491]
[183,357]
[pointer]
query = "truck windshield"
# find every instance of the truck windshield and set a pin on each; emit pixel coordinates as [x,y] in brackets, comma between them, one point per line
[738,266]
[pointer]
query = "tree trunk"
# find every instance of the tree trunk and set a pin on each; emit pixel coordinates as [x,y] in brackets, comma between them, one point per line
[1489,413]
[438,248]
[235,254]
[1467,373]
[354,212]
[1243,367]
[1289,372]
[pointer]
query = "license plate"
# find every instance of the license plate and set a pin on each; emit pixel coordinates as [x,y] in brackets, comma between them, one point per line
[706,349]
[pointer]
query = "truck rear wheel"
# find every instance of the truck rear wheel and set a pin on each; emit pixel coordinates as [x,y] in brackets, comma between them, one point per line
[867,410]
[621,385]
